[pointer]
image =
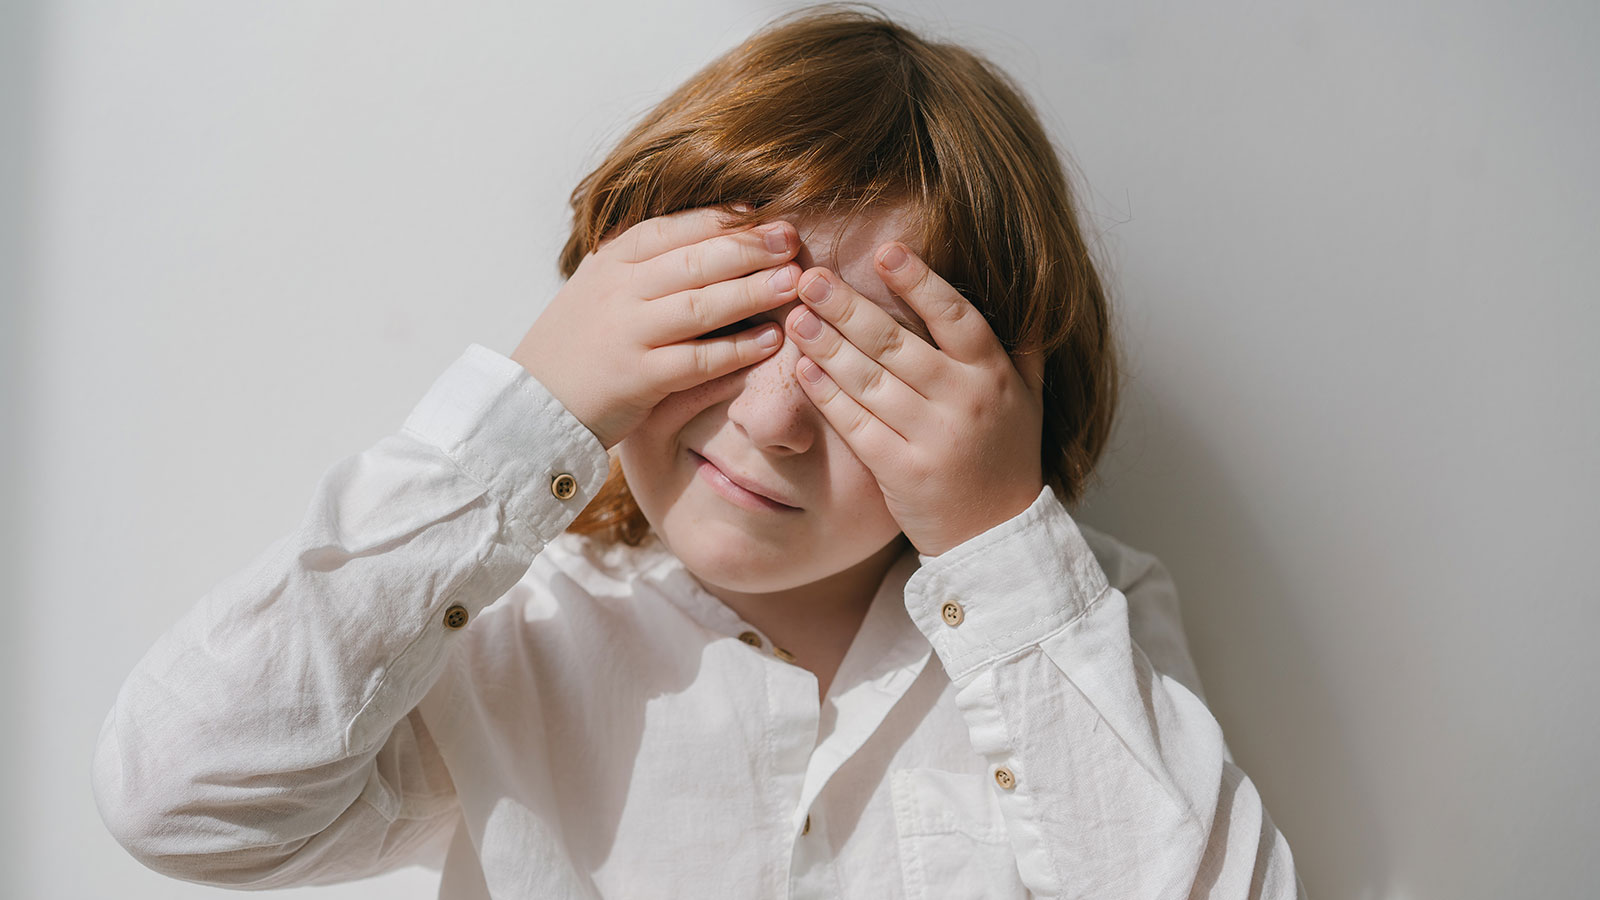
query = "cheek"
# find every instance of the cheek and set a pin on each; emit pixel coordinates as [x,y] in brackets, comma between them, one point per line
[854,479]
[673,413]
[684,404]
[852,485]
[650,453]
[845,466]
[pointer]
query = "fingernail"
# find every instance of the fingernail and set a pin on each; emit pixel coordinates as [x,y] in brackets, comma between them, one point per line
[776,237]
[810,371]
[807,325]
[818,290]
[894,259]
[782,280]
[768,338]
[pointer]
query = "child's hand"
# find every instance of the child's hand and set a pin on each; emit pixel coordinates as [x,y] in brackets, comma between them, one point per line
[621,333]
[952,434]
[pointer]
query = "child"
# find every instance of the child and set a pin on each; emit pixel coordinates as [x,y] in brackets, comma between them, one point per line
[717,587]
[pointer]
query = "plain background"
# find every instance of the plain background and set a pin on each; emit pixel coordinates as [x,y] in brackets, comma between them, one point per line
[1352,247]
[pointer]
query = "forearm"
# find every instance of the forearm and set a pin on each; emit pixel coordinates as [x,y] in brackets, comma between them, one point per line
[1115,781]
[252,729]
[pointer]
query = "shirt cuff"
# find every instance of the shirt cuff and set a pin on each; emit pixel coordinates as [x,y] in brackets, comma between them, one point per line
[507,431]
[1005,589]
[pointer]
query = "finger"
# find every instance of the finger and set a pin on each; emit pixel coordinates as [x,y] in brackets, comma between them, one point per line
[955,324]
[870,327]
[875,388]
[868,436]
[680,366]
[726,305]
[717,259]
[657,235]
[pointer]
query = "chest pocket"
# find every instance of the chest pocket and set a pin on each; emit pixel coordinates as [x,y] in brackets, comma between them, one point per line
[953,841]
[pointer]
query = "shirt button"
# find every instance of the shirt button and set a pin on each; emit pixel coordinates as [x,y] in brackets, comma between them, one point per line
[807,829]
[563,486]
[953,613]
[751,638]
[1004,778]
[455,616]
[783,654]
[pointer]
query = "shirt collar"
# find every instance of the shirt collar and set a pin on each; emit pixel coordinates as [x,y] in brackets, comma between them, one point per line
[887,649]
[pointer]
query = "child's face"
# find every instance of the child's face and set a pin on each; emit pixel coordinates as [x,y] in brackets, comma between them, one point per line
[758,424]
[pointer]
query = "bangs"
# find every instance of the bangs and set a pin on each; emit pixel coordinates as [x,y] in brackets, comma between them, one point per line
[836,112]
[824,120]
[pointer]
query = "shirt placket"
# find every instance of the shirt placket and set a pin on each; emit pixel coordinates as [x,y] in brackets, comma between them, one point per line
[792,738]
[881,665]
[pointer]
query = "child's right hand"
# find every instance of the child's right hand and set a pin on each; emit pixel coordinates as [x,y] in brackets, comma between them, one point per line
[621,334]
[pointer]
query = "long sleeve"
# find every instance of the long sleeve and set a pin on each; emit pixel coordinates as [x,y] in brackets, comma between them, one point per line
[1112,776]
[270,737]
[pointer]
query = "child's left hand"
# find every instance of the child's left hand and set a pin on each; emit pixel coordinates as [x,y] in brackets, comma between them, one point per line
[952,433]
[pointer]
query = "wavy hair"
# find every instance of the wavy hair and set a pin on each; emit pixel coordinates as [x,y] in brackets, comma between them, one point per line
[835,110]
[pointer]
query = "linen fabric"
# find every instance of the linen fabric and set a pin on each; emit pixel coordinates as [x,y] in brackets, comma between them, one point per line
[599,729]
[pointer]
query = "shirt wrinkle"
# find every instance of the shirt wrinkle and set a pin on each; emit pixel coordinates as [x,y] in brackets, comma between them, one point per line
[541,714]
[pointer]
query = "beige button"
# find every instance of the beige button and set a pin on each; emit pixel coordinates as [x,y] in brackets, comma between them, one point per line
[783,654]
[563,486]
[953,613]
[807,829]
[1004,778]
[751,638]
[455,616]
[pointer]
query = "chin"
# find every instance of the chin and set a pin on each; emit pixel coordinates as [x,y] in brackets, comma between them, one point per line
[739,566]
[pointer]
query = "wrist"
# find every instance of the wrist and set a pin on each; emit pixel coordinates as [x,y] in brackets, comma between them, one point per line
[980,521]
[540,364]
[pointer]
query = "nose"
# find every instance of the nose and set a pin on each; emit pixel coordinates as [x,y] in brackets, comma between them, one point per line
[771,408]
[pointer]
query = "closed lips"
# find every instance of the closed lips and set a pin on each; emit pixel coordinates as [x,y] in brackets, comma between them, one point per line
[744,482]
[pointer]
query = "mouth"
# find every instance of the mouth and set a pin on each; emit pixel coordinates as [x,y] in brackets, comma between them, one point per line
[740,492]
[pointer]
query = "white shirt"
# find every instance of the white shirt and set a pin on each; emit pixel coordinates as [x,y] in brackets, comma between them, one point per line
[1017,717]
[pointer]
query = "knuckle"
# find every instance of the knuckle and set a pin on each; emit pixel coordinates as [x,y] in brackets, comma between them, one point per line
[873,382]
[753,291]
[955,312]
[821,350]
[722,357]
[921,279]
[975,410]
[693,263]
[845,317]
[894,345]
[858,421]
[694,307]
[703,357]
[750,249]
[750,353]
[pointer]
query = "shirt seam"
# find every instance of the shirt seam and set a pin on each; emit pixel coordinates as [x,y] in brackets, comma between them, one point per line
[447,808]
[1177,799]
[487,484]
[969,670]
[1046,848]
[389,665]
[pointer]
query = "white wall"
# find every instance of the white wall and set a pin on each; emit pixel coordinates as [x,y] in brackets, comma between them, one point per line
[1354,248]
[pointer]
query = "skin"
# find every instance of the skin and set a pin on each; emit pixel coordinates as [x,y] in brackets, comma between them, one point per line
[866,457]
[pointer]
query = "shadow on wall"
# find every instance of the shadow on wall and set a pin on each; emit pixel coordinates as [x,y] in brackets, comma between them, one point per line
[1166,492]
[20,39]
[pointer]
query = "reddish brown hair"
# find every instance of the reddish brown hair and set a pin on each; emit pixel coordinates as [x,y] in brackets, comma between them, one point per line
[836,110]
